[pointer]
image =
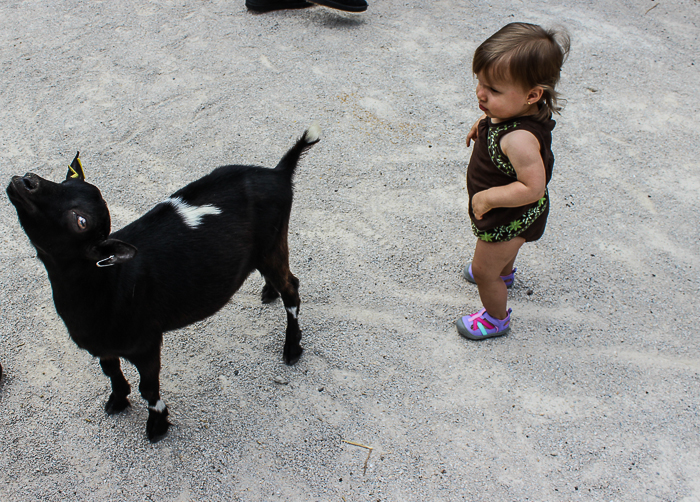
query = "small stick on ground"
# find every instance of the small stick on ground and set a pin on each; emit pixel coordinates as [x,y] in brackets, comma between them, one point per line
[647,12]
[364,469]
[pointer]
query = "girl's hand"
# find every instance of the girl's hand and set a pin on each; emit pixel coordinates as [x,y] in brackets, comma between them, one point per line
[480,205]
[474,131]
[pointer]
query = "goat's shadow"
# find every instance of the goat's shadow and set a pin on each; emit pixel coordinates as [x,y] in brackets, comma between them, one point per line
[327,18]
[333,19]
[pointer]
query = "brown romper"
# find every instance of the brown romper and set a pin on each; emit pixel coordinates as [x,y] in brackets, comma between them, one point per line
[489,167]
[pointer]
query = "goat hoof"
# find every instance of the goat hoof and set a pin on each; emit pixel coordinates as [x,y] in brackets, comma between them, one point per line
[292,356]
[269,294]
[157,426]
[116,404]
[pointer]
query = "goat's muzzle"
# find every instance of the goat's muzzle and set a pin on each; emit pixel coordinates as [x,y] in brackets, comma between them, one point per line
[21,188]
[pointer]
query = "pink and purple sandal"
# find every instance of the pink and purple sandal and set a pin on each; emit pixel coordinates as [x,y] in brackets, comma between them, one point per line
[508,279]
[482,325]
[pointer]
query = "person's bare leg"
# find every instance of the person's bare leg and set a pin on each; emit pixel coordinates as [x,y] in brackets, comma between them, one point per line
[490,262]
[509,267]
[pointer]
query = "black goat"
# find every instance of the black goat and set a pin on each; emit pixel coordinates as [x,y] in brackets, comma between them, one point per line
[179,263]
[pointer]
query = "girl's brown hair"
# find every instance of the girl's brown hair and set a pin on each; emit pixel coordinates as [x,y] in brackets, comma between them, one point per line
[530,56]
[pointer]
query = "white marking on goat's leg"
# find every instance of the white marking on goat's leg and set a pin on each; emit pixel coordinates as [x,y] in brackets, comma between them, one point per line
[192,215]
[159,407]
[293,311]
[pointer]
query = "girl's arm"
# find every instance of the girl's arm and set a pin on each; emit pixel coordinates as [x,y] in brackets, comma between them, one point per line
[474,131]
[523,150]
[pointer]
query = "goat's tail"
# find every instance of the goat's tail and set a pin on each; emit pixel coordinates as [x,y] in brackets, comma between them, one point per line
[289,162]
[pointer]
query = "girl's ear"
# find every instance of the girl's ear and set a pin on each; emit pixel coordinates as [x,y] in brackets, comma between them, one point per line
[535,94]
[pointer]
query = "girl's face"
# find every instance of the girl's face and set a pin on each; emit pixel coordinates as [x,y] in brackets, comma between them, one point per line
[503,100]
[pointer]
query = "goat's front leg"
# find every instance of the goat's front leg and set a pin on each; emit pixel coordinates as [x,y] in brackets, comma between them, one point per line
[148,366]
[120,387]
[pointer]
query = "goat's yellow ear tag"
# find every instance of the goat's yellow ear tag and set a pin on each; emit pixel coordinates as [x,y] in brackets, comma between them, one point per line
[75,170]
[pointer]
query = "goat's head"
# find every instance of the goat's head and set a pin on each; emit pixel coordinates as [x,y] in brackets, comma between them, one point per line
[68,220]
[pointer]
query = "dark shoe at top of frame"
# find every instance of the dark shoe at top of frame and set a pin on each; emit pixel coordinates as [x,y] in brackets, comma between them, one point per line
[346,5]
[269,5]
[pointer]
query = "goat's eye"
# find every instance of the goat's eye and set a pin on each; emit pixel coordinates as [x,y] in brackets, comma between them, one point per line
[81,221]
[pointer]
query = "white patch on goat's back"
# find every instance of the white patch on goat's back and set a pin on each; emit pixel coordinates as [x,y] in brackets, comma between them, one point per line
[293,311]
[192,215]
[159,407]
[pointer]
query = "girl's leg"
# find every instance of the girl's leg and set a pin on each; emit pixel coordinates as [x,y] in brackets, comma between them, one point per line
[508,269]
[491,259]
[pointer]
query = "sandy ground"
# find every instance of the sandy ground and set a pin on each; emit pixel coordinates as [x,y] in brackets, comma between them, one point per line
[594,394]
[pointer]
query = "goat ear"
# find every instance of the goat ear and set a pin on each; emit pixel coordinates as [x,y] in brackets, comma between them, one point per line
[111,252]
[75,170]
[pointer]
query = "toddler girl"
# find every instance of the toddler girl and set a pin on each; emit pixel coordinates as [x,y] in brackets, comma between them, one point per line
[517,69]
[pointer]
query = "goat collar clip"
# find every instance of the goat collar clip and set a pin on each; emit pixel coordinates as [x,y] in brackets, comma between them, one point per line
[105,262]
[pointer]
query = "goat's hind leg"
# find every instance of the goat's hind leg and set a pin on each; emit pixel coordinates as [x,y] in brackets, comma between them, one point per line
[120,387]
[269,293]
[292,343]
[288,286]
[148,366]
[275,268]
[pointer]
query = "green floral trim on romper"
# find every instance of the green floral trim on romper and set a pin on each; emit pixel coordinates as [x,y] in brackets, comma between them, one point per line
[514,228]
[497,157]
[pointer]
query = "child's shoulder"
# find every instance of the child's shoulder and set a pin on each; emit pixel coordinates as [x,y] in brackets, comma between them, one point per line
[526,133]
